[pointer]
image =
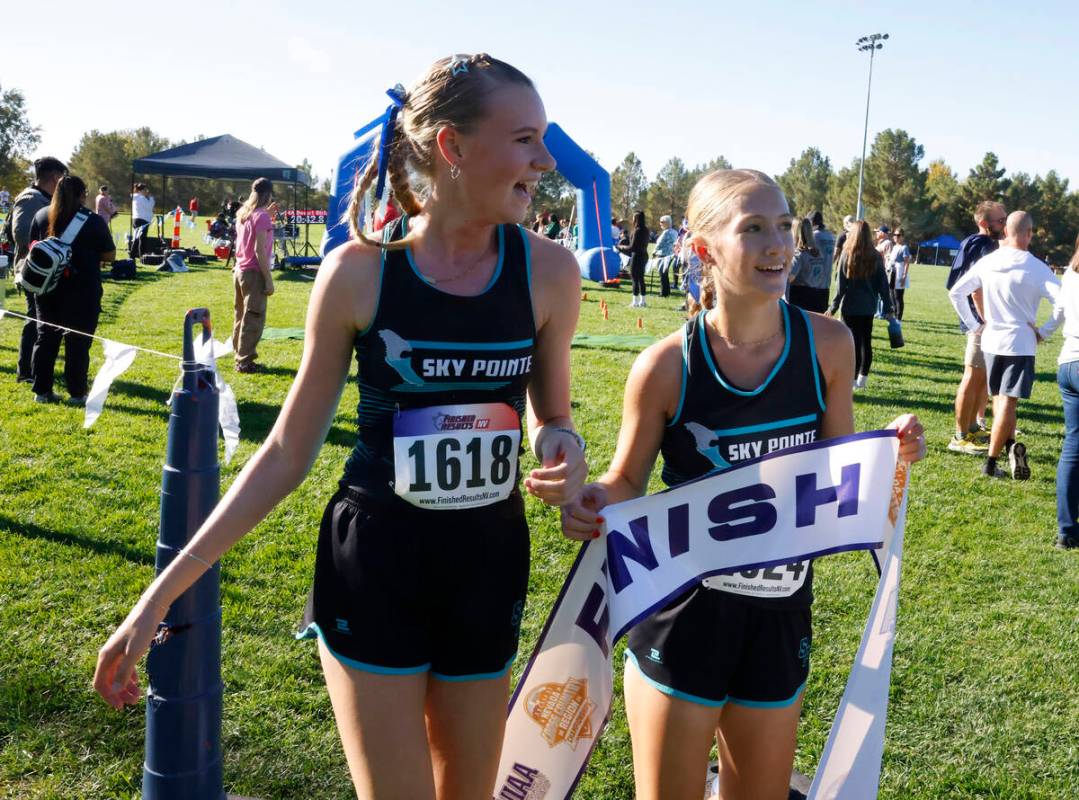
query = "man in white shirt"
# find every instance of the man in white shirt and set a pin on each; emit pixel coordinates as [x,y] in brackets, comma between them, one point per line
[1013,283]
[142,211]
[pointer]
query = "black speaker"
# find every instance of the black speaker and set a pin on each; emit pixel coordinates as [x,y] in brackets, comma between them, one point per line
[124,269]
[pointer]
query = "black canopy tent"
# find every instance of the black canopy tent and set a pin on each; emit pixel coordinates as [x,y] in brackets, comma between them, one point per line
[220,158]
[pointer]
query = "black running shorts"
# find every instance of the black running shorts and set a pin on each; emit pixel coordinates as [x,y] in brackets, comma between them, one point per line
[711,647]
[401,590]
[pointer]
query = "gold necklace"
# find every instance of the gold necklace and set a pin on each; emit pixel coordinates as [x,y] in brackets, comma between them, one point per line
[457,275]
[732,343]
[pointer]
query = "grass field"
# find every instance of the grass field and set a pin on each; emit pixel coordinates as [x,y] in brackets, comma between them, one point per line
[985,690]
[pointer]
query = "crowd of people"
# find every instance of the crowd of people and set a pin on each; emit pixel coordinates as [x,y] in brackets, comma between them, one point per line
[416,633]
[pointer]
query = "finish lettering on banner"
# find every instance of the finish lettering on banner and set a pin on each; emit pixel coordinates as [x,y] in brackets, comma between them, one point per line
[785,507]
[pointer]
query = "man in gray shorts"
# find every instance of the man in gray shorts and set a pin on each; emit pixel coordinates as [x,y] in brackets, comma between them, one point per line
[1013,283]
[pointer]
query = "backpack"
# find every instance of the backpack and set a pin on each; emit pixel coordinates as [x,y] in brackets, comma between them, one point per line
[40,271]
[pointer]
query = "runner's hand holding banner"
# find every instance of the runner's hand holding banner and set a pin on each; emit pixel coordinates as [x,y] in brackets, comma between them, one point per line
[827,497]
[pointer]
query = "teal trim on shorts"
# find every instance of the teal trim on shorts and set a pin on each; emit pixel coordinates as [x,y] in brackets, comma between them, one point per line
[479,676]
[769,703]
[313,630]
[667,690]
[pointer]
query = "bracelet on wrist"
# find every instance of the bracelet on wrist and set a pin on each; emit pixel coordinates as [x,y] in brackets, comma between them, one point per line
[568,431]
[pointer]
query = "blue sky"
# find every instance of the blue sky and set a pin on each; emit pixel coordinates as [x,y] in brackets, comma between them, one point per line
[755,82]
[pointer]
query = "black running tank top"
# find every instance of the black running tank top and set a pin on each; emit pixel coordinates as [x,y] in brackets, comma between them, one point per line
[442,381]
[718,424]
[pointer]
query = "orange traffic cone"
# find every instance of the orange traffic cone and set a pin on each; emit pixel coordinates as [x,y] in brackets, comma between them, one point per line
[640,323]
[606,313]
[584,297]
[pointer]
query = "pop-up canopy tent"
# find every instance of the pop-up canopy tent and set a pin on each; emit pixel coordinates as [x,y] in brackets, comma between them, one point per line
[221,158]
[945,242]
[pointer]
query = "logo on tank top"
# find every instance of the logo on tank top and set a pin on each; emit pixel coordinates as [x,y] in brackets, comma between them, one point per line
[431,366]
[727,446]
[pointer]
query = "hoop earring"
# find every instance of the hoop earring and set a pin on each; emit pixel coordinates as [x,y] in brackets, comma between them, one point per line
[454,171]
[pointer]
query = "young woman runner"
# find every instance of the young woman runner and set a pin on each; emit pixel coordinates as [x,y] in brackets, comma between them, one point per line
[423,554]
[727,660]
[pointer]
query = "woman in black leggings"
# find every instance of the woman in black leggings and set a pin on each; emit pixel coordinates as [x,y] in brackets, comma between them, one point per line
[862,281]
[637,250]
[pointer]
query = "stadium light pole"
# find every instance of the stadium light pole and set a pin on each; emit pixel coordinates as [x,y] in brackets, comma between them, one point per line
[872,43]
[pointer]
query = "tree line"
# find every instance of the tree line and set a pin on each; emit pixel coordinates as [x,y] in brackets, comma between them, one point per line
[105,157]
[898,191]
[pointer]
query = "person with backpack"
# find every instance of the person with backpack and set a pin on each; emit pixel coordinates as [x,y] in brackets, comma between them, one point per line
[47,172]
[75,301]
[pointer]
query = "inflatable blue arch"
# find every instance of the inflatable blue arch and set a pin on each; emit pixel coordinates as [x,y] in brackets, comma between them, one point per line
[595,253]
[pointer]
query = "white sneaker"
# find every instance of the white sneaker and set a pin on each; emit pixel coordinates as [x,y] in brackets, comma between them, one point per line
[633,304]
[861,381]
[642,304]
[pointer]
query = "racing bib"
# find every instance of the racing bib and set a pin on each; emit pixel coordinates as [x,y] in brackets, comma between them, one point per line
[461,456]
[781,581]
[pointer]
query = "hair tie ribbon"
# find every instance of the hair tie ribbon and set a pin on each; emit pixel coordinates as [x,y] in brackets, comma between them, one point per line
[397,95]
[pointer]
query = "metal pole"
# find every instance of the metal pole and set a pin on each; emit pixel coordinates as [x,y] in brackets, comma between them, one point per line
[865,135]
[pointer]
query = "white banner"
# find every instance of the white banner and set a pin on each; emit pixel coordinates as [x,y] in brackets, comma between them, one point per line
[806,502]
[850,765]
[118,357]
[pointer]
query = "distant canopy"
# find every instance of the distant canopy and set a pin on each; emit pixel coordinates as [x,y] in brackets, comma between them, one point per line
[223,157]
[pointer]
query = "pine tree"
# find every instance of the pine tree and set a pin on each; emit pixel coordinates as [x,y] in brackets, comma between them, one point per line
[805,183]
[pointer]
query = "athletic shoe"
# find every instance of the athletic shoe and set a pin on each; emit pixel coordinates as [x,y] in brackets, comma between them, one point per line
[1067,542]
[77,401]
[46,398]
[997,472]
[981,436]
[966,444]
[861,381]
[25,379]
[251,368]
[1017,460]
[642,304]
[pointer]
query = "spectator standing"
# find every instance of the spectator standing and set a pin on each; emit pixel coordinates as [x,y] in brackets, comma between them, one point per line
[862,285]
[76,301]
[664,253]
[142,211]
[885,243]
[899,272]
[1013,284]
[193,209]
[970,437]
[1066,310]
[5,199]
[252,279]
[551,226]
[47,173]
[104,206]
[841,242]
[811,270]
[637,250]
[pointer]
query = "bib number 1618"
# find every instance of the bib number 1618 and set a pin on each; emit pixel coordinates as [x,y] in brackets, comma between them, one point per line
[477,462]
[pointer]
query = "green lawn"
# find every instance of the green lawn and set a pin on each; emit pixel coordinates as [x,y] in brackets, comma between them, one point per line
[984,693]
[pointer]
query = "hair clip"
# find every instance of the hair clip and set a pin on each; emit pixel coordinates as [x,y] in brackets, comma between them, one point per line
[397,94]
[458,66]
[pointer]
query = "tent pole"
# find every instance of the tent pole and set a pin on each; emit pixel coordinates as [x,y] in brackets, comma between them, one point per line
[131,216]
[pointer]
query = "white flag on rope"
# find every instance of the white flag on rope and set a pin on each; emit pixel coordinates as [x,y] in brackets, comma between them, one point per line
[806,502]
[228,414]
[118,357]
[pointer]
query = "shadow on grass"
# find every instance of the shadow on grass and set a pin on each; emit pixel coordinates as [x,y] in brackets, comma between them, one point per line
[1027,410]
[28,530]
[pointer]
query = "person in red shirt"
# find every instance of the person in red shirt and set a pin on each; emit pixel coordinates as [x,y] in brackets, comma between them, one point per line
[193,209]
